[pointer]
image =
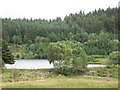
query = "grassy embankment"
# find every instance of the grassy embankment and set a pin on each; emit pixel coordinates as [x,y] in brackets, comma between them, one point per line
[40,78]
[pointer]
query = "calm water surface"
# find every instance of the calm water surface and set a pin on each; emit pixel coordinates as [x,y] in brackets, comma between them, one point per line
[37,64]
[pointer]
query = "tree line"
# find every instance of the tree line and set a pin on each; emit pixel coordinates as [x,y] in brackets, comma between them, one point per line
[96,31]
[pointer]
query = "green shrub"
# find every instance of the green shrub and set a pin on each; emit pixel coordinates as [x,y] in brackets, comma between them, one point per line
[90,58]
[18,56]
[76,70]
[114,58]
[109,66]
[108,71]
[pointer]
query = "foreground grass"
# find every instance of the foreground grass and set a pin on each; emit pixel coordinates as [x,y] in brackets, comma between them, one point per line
[65,82]
[20,78]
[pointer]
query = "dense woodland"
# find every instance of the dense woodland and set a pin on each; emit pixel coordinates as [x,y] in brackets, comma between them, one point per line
[96,32]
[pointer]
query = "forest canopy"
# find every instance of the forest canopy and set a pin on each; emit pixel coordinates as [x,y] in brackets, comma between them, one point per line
[96,31]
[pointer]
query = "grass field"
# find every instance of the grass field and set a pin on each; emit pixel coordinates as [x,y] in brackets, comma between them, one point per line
[65,82]
[23,78]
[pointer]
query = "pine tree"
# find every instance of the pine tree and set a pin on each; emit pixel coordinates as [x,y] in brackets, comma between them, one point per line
[7,57]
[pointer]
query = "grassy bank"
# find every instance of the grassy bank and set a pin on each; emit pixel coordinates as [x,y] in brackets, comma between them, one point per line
[48,78]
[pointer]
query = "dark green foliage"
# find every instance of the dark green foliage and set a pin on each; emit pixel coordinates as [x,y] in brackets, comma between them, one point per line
[76,70]
[39,50]
[96,31]
[25,30]
[36,50]
[17,56]
[97,45]
[7,57]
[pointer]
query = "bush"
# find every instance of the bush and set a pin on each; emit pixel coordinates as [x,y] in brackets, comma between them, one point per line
[90,58]
[18,56]
[114,58]
[108,71]
[76,70]
[109,66]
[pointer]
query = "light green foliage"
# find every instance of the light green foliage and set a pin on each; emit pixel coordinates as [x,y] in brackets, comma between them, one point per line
[79,55]
[39,39]
[28,55]
[71,36]
[114,58]
[17,39]
[114,44]
[67,50]
[81,60]
[59,54]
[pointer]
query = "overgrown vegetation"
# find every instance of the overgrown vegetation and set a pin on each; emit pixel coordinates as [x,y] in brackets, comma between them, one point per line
[108,71]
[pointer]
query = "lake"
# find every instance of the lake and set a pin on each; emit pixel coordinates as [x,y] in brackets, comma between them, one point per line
[37,64]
